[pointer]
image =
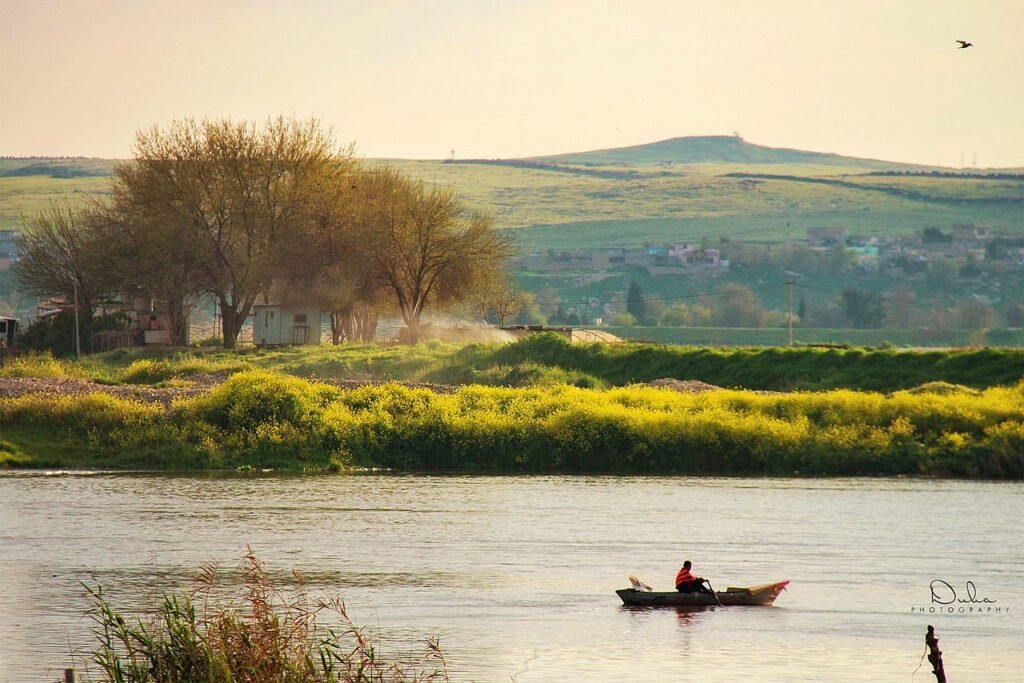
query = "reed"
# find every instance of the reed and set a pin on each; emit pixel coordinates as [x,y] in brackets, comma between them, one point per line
[264,635]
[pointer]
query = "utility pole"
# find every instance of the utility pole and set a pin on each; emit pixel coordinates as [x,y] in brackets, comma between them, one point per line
[78,342]
[789,318]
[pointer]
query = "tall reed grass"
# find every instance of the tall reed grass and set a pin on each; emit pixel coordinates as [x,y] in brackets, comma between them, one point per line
[264,635]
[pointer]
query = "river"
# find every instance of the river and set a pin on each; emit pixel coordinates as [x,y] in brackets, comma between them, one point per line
[516,575]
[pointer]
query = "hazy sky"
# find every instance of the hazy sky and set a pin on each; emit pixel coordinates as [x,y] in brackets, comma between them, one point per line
[506,78]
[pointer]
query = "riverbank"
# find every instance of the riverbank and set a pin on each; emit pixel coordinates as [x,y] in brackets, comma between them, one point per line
[261,419]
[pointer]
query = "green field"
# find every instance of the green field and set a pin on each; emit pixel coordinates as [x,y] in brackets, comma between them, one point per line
[702,187]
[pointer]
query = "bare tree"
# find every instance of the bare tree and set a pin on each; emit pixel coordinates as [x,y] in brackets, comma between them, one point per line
[228,192]
[53,256]
[501,299]
[429,251]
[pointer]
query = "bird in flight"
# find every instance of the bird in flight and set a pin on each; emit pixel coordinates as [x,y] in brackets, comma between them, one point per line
[963,44]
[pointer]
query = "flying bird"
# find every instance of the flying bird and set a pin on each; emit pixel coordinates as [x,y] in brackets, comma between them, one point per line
[963,44]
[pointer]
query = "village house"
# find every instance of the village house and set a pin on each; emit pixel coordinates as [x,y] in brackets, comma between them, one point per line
[690,256]
[286,325]
[971,233]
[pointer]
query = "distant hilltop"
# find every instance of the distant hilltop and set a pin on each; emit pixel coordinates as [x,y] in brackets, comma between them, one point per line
[702,149]
[710,149]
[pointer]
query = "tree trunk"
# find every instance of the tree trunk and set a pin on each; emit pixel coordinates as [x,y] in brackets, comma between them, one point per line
[366,325]
[176,321]
[229,323]
[413,325]
[337,332]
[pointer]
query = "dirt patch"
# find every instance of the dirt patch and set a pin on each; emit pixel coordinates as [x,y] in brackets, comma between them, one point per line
[686,386]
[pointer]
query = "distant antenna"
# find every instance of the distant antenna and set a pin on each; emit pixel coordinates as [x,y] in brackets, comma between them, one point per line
[453,155]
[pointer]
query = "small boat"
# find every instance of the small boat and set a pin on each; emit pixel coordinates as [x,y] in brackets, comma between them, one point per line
[760,595]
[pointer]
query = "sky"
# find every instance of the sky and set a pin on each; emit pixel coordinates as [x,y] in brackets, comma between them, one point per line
[429,79]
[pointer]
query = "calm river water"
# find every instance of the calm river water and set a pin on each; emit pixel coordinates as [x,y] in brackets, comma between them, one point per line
[516,575]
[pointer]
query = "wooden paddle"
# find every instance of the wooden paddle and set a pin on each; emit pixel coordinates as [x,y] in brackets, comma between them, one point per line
[713,593]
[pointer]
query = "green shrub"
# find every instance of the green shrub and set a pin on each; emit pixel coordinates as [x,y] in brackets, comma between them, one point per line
[147,371]
[262,419]
[41,365]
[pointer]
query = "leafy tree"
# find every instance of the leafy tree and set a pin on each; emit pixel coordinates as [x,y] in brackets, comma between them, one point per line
[636,304]
[942,274]
[975,315]
[862,308]
[625,319]
[970,269]
[934,235]
[900,307]
[327,260]
[231,190]
[842,259]
[676,315]
[996,250]
[737,306]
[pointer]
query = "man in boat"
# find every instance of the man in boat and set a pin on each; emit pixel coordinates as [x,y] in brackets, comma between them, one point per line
[686,582]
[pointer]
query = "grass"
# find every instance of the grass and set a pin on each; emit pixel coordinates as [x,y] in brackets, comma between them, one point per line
[548,360]
[28,195]
[682,202]
[777,336]
[265,634]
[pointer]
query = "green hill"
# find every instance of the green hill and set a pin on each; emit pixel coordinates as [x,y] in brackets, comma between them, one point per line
[717,149]
[679,189]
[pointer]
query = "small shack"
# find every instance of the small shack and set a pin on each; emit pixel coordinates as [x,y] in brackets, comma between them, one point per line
[8,329]
[281,325]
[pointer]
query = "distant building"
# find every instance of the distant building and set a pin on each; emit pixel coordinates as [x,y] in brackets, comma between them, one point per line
[282,325]
[971,232]
[689,256]
[8,329]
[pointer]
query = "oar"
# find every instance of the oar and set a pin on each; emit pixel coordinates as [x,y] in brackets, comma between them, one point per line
[713,593]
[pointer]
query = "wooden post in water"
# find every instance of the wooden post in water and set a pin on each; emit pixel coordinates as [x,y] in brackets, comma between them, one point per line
[935,654]
[69,676]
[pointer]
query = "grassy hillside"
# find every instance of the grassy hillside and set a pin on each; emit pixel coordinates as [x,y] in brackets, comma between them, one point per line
[680,189]
[27,186]
[729,149]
